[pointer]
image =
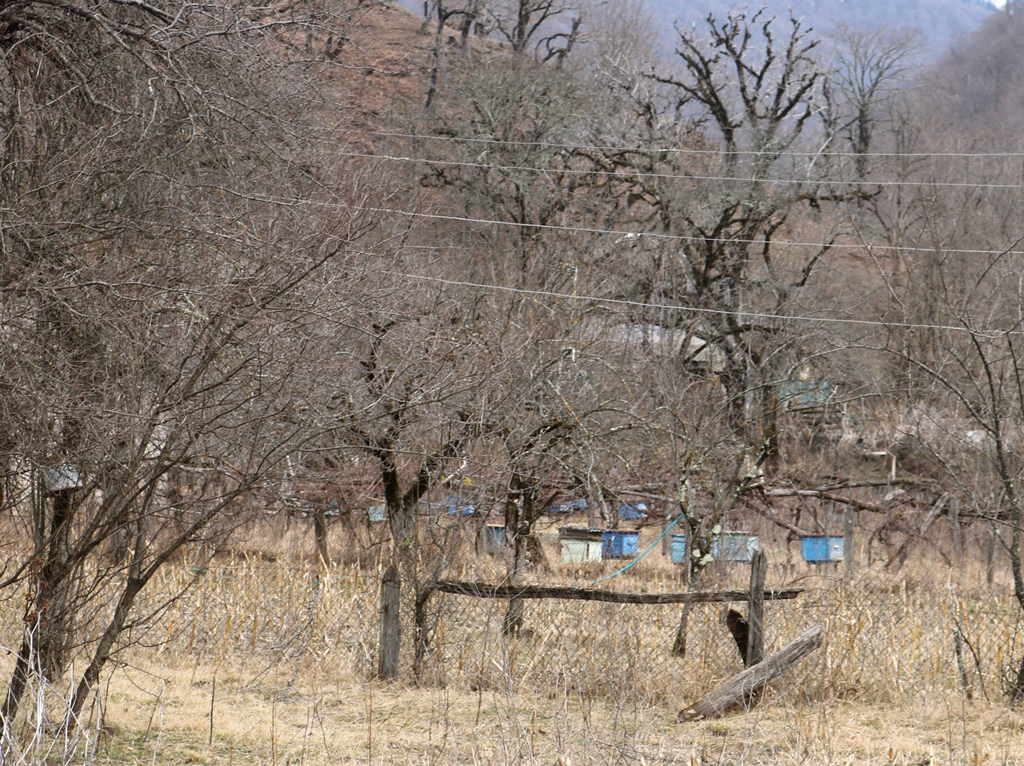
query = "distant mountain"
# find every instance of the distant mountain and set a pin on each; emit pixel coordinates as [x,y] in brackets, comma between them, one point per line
[979,83]
[941,22]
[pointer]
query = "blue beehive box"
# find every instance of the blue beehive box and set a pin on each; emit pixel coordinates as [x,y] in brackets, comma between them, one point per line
[631,511]
[735,546]
[494,538]
[821,548]
[456,507]
[573,505]
[620,544]
[678,549]
[803,394]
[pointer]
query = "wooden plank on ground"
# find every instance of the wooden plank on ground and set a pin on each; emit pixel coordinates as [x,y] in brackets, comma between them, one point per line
[743,686]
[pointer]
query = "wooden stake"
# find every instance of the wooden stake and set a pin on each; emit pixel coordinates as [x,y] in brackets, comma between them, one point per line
[990,564]
[390,625]
[213,696]
[849,525]
[755,610]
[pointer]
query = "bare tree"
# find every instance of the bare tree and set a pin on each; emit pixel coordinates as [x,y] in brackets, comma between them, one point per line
[406,393]
[719,160]
[968,395]
[553,25]
[157,225]
[948,262]
[869,70]
[515,122]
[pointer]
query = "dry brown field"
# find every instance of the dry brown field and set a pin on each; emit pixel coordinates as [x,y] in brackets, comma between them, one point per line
[272,662]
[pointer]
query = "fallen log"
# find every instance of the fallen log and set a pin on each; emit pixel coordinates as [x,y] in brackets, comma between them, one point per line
[486,590]
[743,686]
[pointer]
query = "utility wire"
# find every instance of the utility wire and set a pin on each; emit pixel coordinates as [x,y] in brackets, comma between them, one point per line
[990,333]
[627,173]
[697,152]
[631,235]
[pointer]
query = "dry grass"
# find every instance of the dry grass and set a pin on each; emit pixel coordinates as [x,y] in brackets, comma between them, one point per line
[284,654]
[161,713]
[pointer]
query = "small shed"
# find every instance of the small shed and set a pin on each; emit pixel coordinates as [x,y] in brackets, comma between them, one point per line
[60,478]
[803,394]
[571,506]
[581,545]
[457,507]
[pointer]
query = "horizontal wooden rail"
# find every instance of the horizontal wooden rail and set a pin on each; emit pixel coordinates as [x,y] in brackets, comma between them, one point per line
[486,590]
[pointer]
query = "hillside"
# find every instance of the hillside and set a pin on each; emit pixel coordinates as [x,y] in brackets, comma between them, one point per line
[980,81]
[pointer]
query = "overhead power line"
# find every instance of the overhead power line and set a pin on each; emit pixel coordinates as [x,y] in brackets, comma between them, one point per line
[764,316]
[680,150]
[627,234]
[628,173]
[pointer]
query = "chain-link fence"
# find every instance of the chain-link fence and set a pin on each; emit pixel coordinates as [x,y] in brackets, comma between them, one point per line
[887,639]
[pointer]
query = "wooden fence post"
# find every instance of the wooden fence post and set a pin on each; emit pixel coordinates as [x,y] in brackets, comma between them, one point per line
[849,524]
[755,611]
[390,625]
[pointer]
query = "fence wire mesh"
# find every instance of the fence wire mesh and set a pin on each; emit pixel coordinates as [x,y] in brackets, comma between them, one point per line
[886,639]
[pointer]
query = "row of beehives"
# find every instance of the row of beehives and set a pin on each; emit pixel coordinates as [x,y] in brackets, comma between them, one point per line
[455,506]
[584,545]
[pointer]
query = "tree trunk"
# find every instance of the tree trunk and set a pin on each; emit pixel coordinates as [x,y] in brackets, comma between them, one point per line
[19,681]
[47,626]
[691,574]
[849,528]
[770,427]
[103,650]
[1017,694]
[517,530]
[421,633]
[993,550]
[513,621]
[954,527]
[679,644]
